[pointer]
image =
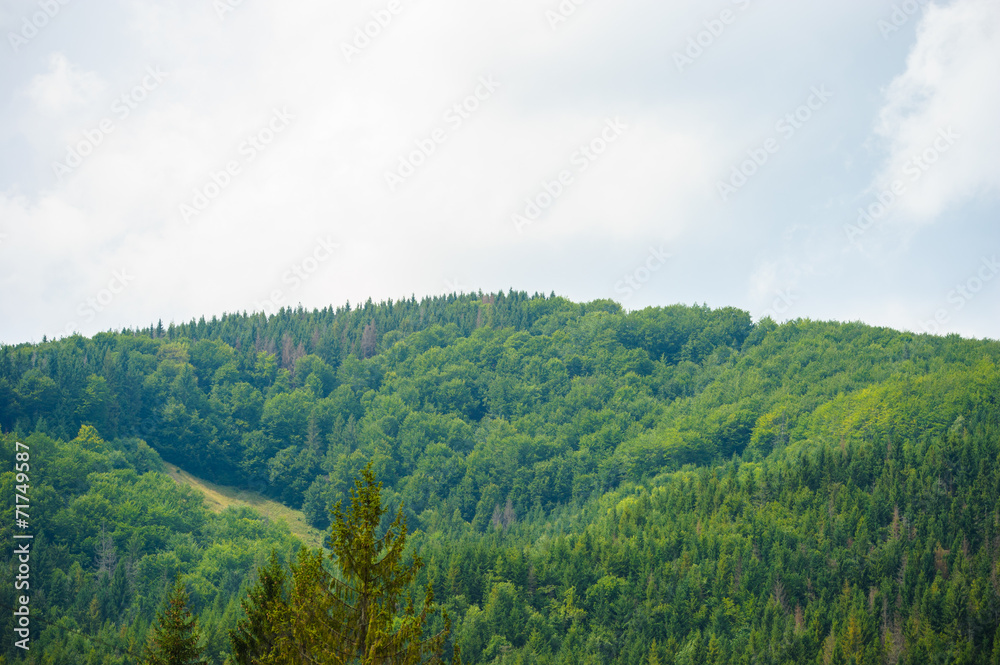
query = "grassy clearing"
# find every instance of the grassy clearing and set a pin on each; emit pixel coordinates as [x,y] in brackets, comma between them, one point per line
[220,497]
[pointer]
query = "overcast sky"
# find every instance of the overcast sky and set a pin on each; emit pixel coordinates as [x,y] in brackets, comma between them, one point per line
[168,160]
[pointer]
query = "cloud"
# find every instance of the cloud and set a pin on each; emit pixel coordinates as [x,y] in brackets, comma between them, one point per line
[939,117]
[324,175]
[63,88]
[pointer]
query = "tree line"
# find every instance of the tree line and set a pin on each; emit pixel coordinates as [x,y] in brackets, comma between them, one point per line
[584,484]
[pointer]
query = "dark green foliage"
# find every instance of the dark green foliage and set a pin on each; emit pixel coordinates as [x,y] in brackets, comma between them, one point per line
[110,534]
[580,481]
[254,637]
[370,622]
[351,615]
[175,638]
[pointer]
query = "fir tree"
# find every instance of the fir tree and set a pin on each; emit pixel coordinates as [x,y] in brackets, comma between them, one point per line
[374,579]
[174,640]
[654,654]
[254,637]
[357,616]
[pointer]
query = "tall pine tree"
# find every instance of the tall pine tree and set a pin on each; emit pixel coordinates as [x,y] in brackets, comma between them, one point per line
[367,598]
[254,637]
[356,616]
[175,638]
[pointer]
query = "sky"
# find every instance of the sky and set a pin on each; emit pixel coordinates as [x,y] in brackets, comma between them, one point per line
[167,160]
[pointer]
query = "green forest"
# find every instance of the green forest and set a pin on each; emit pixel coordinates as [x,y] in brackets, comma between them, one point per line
[583,484]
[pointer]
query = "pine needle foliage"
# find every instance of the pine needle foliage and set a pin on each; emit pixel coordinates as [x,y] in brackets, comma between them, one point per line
[174,640]
[361,613]
[374,580]
[254,636]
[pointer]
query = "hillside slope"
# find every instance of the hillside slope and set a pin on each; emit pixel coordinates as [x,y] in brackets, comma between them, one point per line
[218,498]
[675,484]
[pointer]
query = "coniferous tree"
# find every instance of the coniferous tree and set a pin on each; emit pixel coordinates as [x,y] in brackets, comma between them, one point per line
[374,578]
[254,637]
[356,617]
[369,338]
[174,640]
[654,655]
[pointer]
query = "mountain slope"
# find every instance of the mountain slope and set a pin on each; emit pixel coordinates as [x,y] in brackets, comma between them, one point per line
[583,481]
[218,498]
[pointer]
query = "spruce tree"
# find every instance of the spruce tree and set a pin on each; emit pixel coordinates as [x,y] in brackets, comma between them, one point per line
[254,637]
[654,654]
[349,617]
[174,640]
[374,579]
[355,616]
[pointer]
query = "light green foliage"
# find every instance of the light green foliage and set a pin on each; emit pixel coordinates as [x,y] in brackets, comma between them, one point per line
[738,492]
[145,529]
[353,616]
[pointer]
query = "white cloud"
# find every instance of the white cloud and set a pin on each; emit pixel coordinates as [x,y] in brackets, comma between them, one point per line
[324,174]
[948,89]
[63,88]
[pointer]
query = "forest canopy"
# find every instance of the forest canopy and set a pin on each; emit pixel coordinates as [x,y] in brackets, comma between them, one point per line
[676,484]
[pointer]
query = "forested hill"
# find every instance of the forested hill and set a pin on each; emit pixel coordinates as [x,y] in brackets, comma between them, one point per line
[272,402]
[676,485]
